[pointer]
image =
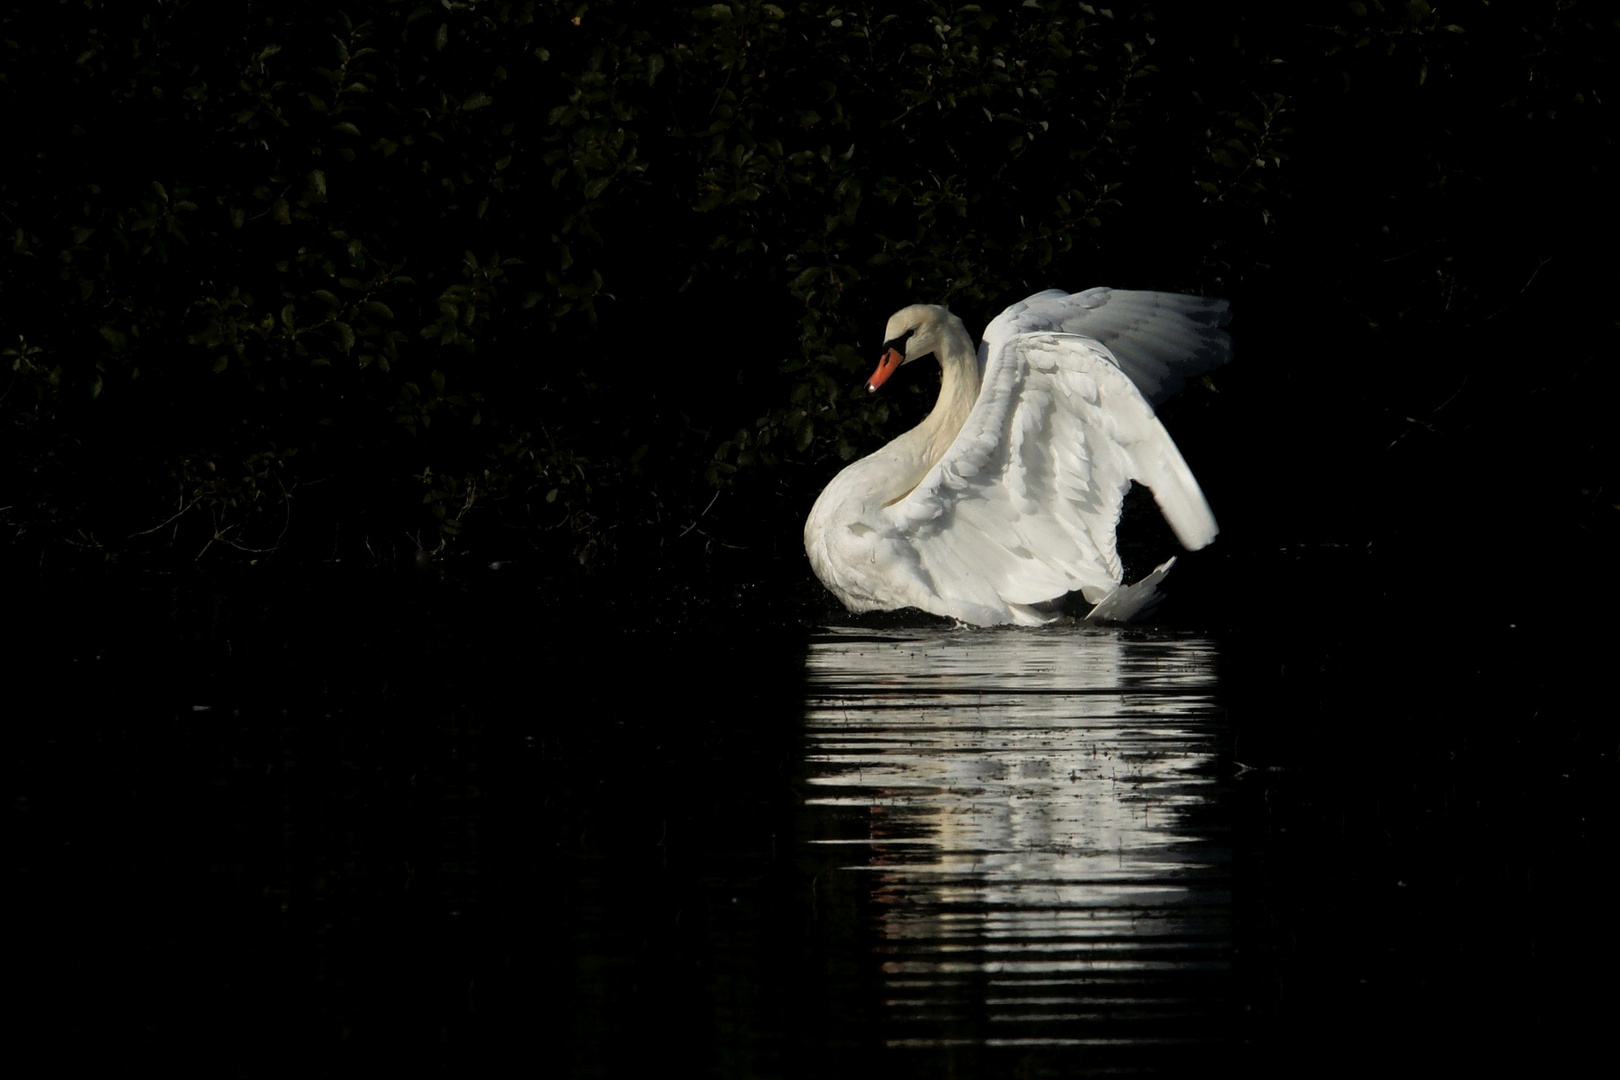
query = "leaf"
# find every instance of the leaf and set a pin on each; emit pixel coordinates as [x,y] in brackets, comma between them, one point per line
[476,101]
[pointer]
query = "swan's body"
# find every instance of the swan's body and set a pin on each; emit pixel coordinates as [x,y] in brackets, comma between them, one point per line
[1005,499]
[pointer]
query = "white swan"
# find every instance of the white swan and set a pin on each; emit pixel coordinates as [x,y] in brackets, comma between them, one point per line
[1005,499]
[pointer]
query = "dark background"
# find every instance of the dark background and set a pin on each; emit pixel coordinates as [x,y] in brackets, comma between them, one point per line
[595,285]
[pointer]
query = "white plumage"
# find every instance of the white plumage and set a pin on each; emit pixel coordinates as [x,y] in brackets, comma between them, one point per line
[1005,499]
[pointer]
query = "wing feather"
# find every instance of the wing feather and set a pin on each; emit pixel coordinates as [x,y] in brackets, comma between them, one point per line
[1161,340]
[1022,508]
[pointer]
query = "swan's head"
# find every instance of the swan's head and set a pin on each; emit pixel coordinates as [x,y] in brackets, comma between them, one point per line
[913,333]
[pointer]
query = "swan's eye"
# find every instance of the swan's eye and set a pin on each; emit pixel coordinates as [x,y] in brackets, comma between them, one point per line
[899,344]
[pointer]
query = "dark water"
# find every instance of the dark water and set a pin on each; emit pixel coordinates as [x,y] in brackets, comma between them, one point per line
[336,827]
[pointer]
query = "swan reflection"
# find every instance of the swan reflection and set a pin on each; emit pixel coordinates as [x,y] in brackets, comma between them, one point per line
[1039,814]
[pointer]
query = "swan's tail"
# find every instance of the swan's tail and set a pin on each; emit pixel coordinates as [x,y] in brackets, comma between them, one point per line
[1128,601]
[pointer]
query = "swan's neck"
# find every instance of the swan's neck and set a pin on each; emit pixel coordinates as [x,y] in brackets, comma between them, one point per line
[921,448]
[889,475]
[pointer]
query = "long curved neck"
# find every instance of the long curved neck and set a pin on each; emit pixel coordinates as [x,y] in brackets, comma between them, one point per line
[958,391]
[890,474]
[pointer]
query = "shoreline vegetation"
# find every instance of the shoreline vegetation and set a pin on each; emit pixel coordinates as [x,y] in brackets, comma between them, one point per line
[593,286]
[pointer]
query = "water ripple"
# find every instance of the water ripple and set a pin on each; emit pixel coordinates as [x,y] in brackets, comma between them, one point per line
[1038,814]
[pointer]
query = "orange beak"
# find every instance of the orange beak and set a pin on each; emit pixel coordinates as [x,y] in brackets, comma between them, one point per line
[887,366]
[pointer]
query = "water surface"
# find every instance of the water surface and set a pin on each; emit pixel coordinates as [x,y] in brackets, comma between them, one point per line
[341,825]
[1036,817]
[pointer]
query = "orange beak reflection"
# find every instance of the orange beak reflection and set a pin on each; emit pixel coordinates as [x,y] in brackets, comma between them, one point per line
[887,366]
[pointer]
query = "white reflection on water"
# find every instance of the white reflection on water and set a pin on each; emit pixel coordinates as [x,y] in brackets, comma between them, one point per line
[1037,811]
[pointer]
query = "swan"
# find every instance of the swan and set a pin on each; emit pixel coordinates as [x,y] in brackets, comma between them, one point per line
[1005,499]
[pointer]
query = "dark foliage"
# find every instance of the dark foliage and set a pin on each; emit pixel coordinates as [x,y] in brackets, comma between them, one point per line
[599,280]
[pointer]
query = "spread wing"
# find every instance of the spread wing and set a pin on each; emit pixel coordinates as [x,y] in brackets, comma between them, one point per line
[1161,340]
[1022,508]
